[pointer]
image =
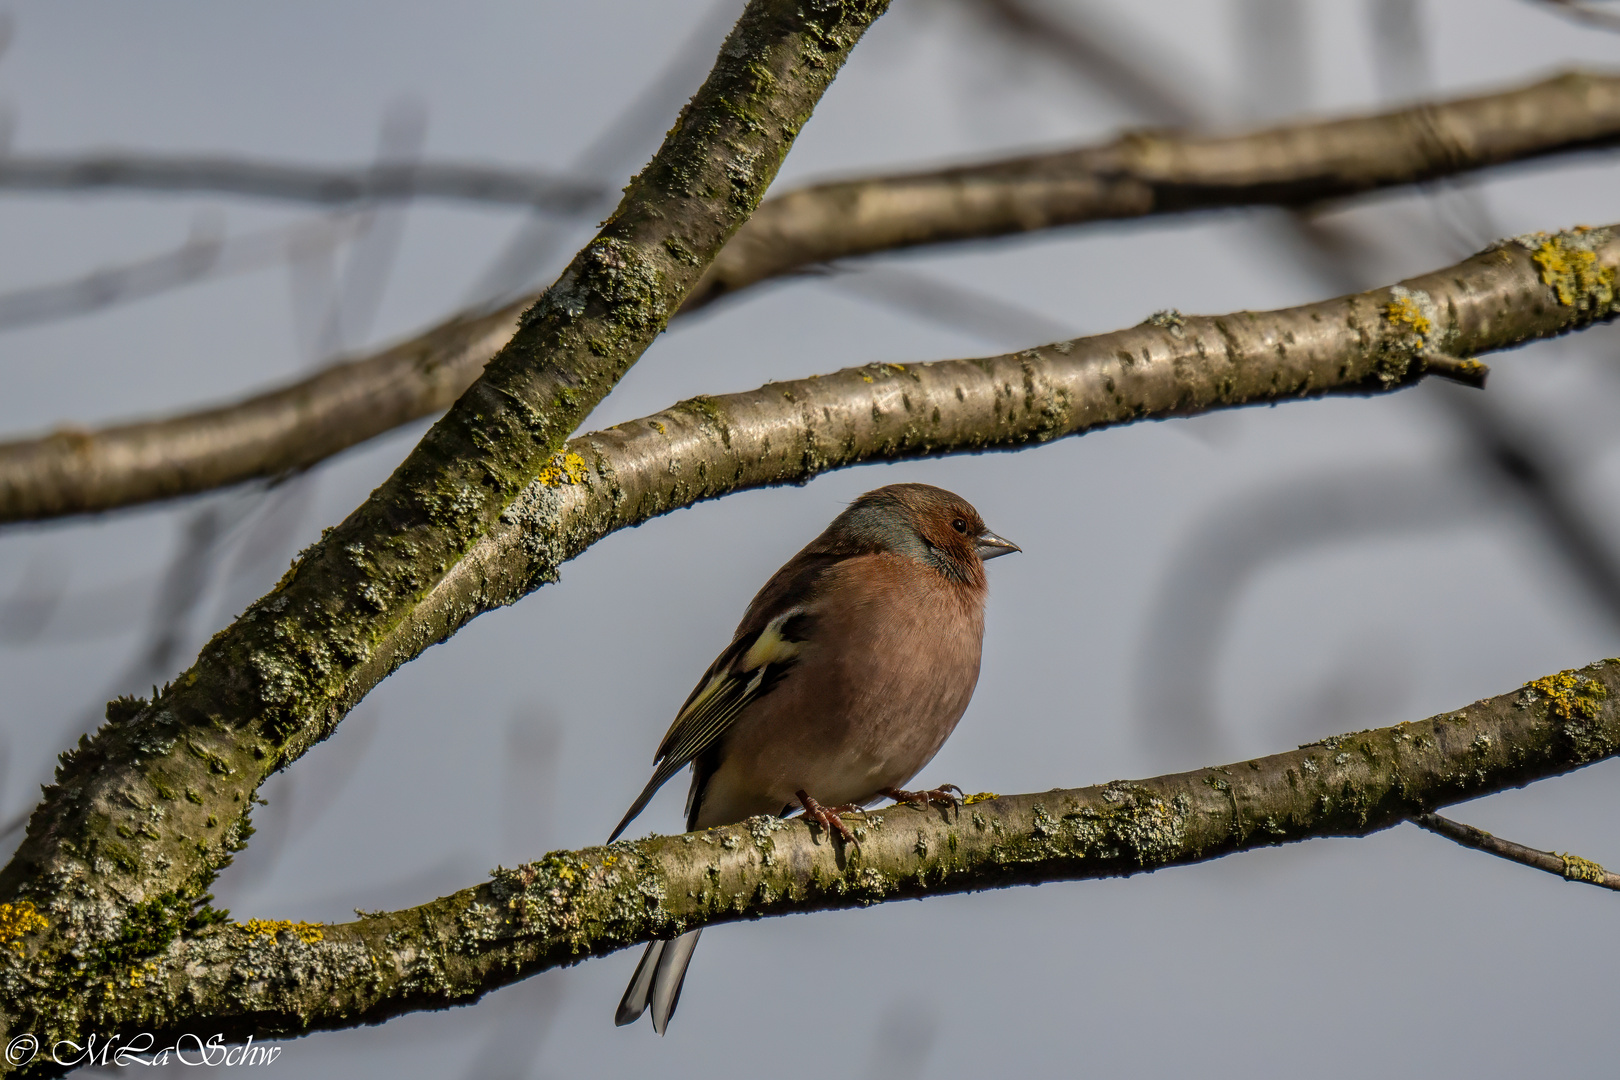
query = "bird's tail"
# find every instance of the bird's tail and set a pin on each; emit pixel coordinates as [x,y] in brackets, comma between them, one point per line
[657,981]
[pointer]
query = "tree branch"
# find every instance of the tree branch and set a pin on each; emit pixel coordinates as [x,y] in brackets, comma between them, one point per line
[78,471]
[1567,866]
[146,813]
[275,979]
[299,183]
[1147,173]
[1170,365]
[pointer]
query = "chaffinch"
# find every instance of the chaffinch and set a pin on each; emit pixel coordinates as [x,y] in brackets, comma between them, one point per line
[844,678]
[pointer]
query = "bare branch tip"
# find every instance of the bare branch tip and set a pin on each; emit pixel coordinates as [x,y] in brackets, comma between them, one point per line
[1562,863]
[1457,369]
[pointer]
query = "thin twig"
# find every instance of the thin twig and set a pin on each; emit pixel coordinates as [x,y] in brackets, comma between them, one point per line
[618,147]
[1567,866]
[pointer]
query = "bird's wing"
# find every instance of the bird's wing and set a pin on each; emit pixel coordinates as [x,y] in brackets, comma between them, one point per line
[748,670]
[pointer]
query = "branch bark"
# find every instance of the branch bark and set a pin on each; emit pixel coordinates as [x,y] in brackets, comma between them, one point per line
[146,813]
[78,471]
[270,979]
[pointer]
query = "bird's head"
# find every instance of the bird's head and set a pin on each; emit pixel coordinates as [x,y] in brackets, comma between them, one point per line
[929,524]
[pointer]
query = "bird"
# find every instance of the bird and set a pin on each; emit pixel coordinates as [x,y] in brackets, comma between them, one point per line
[848,671]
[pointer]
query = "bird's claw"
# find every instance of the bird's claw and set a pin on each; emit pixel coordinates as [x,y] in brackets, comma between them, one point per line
[944,795]
[827,817]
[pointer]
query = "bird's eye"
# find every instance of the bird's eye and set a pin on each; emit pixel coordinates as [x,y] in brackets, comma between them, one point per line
[960,526]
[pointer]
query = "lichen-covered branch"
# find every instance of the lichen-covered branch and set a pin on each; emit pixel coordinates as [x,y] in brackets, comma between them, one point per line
[267,978]
[1170,365]
[77,471]
[146,812]
[298,183]
[1562,863]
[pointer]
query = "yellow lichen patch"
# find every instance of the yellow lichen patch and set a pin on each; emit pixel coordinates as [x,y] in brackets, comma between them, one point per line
[567,468]
[1404,311]
[983,796]
[307,932]
[1570,695]
[17,921]
[1571,268]
[1579,869]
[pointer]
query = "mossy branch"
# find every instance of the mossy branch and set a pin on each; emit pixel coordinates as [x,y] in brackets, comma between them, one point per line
[75,471]
[269,979]
[146,812]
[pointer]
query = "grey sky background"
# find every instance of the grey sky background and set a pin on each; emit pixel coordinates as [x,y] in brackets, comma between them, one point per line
[1372,570]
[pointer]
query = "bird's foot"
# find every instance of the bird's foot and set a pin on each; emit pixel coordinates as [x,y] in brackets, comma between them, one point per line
[827,817]
[944,795]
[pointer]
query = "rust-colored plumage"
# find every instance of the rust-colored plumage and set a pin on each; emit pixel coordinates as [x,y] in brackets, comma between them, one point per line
[847,673]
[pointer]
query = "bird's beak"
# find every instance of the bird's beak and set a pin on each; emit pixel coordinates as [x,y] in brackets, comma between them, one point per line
[992,546]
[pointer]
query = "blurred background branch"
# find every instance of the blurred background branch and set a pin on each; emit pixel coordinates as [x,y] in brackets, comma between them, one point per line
[1588,12]
[132,171]
[206,254]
